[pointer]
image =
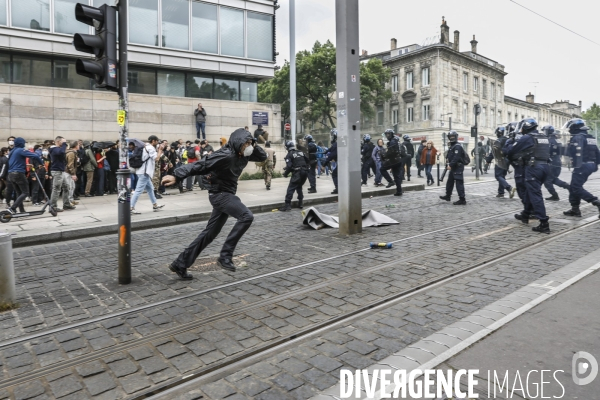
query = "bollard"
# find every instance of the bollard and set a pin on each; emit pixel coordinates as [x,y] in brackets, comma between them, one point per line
[7,270]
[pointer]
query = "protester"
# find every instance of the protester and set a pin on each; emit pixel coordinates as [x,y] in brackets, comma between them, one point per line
[89,166]
[17,162]
[70,175]
[145,174]
[200,114]
[57,169]
[428,159]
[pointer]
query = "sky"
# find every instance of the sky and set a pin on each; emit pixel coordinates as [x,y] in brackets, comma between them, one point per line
[532,49]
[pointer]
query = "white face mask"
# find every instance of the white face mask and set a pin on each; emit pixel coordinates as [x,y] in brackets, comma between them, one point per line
[248,151]
[11,143]
[45,152]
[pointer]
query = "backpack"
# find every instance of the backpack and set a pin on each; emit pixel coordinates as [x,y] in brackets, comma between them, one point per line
[84,158]
[191,152]
[136,160]
[466,160]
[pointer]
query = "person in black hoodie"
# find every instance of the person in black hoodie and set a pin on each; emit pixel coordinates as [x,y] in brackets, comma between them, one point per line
[3,171]
[220,172]
[17,169]
[410,153]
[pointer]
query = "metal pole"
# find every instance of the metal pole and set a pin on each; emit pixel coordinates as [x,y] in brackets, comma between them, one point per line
[348,116]
[8,295]
[476,151]
[123,172]
[293,68]
[449,123]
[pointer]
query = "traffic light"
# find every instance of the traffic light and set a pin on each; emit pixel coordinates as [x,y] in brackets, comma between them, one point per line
[103,45]
[474,131]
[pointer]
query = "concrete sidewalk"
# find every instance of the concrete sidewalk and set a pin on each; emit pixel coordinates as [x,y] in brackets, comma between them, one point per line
[98,215]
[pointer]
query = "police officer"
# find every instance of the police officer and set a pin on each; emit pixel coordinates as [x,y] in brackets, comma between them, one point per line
[407,160]
[297,164]
[455,165]
[585,156]
[519,166]
[367,159]
[501,166]
[392,160]
[556,151]
[534,149]
[332,156]
[311,148]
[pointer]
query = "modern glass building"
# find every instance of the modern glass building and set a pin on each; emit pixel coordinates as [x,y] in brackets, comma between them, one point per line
[215,49]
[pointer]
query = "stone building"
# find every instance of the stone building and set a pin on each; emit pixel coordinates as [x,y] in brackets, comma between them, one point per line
[435,84]
[181,52]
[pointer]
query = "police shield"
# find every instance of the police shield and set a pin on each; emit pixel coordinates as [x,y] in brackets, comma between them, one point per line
[501,161]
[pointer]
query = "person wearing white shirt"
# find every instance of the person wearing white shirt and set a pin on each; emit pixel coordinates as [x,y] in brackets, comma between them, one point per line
[145,173]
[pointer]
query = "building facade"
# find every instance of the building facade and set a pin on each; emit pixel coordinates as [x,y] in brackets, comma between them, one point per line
[181,52]
[435,87]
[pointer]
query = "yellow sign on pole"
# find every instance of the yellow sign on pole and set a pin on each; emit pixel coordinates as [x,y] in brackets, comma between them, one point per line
[121,117]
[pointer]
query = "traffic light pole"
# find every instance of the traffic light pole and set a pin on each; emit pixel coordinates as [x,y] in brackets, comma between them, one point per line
[348,116]
[123,173]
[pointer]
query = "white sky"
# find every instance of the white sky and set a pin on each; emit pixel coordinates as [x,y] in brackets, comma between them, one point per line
[532,49]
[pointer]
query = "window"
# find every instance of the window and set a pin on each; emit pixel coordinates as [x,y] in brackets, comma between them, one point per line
[204,27]
[484,116]
[475,84]
[170,83]
[64,18]
[425,76]
[409,80]
[142,81]
[143,22]
[455,79]
[465,116]
[395,83]
[499,118]
[260,36]
[175,20]
[226,89]
[484,83]
[5,68]
[32,14]
[499,93]
[65,76]
[3,12]
[509,117]
[493,92]
[465,81]
[394,115]
[425,112]
[380,115]
[29,70]
[249,91]
[232,32]
[410,111]
[199,86]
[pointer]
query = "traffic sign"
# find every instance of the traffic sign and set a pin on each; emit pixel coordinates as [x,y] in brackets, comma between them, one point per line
[121,117]
[288,127]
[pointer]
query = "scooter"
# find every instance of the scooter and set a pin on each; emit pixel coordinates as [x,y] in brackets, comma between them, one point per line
[7,216]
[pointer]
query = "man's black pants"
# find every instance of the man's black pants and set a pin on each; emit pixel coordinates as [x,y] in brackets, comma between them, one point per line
[312,175]
[224,205]
[21,186]
[295,185]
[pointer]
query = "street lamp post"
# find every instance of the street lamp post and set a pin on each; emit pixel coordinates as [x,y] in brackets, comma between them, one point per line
[293,68]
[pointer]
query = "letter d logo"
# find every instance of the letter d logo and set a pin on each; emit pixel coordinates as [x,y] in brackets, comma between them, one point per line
[580,368]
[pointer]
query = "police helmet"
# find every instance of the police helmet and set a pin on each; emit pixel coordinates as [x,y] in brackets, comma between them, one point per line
[308,138]
[367,138]
[526,126]
[333,133]
[452,136]
[500,131]
[575,125]
[389,134]
[406,137]
[289,145]
[549,130]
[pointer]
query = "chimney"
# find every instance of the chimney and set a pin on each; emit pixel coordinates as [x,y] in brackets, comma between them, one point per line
[474,45]
[445,33]
[365,53]
[580,104]
[394,44]
[456,43]
[530,98]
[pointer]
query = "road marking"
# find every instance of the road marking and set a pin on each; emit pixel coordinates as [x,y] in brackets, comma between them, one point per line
[493,232]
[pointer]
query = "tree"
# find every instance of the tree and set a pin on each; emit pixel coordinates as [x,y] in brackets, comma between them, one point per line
[592,116]
[316,85]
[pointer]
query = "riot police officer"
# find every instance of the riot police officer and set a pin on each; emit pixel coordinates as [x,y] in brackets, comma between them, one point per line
[585,156]
[501,165]
[456,166]
[407,159]
[556,151]
[392,160]
[367,159]
[519,167]
[297,164]
[312,158]
[533,148]
[331,156]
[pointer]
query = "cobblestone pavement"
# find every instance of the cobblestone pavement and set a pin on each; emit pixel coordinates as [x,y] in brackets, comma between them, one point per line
[126,355]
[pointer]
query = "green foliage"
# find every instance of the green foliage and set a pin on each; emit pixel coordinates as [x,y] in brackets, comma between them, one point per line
[592,116]
[258,175]
[8,306]
[316,82]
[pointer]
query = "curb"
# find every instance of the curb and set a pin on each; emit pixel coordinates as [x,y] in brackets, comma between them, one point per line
[108,229]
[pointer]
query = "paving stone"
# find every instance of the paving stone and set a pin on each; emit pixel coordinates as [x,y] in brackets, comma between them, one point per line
[123,368]
[287,382]
[186,337]
[75,344]
[318,379]
[303,392]
[99,383]
[229,347]
[294,366]
[64,386]
[139,353]
[153,365]
[361,347]
[186,362]
[171,349]
[28,390]
[264,369]
[89,369]
[272,394]
[201,347]
[134,383]
[252,386]
[323,363]
[218,390]
[44,348]
[212,357]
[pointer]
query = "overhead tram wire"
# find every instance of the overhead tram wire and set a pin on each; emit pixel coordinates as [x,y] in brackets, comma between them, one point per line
[555,23]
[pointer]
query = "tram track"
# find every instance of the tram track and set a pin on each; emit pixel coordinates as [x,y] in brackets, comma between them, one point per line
[301,333]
